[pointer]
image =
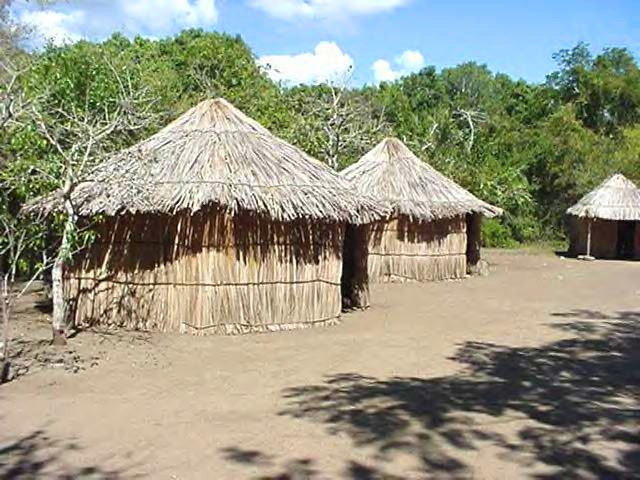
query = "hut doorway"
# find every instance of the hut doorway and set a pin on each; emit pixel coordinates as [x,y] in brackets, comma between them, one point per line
[474,239]
[355,277]
[626,239]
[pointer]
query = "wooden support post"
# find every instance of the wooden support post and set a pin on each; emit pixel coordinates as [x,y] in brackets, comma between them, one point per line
[588,256]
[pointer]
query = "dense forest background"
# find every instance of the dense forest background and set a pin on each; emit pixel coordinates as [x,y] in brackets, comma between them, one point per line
[532,149]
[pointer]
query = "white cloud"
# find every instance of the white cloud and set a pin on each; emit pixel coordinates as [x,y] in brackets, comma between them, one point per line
[324,9]
[55,26]
[162,17]
[383,72]
[97,19]
[408,62]
[327,62]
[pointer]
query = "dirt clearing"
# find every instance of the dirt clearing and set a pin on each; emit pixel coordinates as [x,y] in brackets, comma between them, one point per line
[531,372]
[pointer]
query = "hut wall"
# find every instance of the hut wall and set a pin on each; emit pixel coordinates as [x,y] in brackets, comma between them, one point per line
[401,249]
[604,237]
[209,273]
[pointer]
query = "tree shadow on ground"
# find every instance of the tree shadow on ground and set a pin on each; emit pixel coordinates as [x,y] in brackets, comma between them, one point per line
[567,409]
[38,455]
[297,469]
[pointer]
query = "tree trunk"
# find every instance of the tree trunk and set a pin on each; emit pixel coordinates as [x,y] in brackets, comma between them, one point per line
[59,320]
[4,297]
[14,268]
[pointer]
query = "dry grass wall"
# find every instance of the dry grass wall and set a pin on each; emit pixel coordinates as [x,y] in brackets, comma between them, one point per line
[209,273]
[604,237]
[401,249]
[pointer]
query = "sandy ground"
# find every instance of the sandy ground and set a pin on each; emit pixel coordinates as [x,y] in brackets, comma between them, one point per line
[533,372]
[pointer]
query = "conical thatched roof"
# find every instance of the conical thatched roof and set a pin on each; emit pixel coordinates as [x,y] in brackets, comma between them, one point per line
[617,198]
[392,173]
[214,154]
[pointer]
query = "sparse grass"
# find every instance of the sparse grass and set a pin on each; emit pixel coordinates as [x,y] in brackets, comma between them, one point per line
[545,246]
[535,248]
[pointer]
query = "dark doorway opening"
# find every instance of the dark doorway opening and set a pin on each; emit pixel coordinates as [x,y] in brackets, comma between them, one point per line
[474,240]
[355,277]
[626,239]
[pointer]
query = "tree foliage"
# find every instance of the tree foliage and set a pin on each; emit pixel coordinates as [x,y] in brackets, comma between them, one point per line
[532,149]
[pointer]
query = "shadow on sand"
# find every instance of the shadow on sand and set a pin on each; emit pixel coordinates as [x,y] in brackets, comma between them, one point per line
[38,455]
[548,409]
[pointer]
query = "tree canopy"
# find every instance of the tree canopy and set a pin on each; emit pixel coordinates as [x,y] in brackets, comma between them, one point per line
[532,149]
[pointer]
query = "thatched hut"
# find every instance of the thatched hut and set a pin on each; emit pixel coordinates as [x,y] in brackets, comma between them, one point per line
[215,225]
[434,230]
[605,223]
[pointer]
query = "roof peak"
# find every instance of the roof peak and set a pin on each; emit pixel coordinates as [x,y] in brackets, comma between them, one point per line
[392,172]
[618,180]
[395,148]
[215,114]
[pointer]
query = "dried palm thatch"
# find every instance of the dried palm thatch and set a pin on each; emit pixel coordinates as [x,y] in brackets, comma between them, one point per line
[213,225]
[214,154]
[402,250]
[411,187]
[209,273]
[617,198]
[425,237]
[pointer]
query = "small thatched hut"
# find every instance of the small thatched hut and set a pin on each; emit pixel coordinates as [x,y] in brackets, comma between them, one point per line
[605,223]
[434,230]
[215,225]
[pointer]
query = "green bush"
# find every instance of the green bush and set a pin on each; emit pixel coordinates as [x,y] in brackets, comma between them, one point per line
[497,235]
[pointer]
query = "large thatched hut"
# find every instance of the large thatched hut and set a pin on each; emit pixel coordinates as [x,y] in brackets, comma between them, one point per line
[215,225]
[605,223]
[434,230]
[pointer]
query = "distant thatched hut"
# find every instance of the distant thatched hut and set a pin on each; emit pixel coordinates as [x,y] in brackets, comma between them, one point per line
[434,230]
[605,223]
[214,225]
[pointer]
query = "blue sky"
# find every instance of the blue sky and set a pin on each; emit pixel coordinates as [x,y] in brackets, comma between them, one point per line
[305,41]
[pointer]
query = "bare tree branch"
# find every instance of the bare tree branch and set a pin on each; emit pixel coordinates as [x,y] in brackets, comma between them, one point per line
[344,120]
[470,117]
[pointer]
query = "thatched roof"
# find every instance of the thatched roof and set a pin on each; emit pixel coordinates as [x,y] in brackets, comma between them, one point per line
[617,198]
[216,155]
[392,173]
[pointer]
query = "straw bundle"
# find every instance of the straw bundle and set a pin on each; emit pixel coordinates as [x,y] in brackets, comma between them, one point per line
[617,198]
[425,238]
[402,249]
[209,273]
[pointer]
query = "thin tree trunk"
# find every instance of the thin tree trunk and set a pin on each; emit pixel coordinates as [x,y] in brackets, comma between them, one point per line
[14,267]
[44,261]
[59,320]
[4,372]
